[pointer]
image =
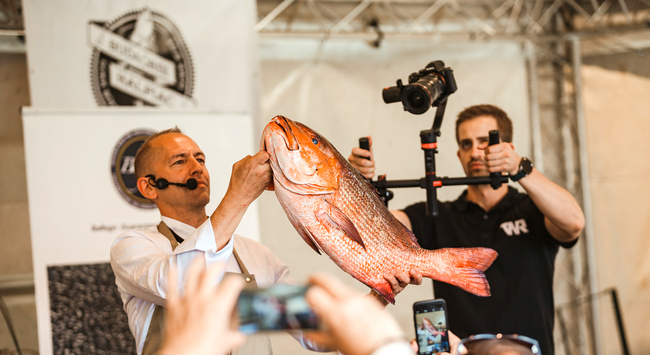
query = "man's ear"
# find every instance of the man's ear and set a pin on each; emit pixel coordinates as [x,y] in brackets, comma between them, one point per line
[458,154]
[148,191]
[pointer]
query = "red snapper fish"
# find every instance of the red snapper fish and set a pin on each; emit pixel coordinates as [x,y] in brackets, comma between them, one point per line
[336,211]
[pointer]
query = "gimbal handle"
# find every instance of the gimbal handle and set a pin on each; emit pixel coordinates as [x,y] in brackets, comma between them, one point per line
[431,181]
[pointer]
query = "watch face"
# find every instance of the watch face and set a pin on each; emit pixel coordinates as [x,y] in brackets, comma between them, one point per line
[526,165]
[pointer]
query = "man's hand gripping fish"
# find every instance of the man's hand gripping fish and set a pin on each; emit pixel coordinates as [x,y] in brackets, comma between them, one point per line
[335,210]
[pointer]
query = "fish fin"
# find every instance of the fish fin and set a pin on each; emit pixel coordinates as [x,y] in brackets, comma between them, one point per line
[333,218]
[385,291]
[465,268]
[305,234]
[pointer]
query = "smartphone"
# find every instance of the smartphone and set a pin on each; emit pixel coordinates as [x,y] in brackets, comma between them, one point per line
[280,307]
[431,329]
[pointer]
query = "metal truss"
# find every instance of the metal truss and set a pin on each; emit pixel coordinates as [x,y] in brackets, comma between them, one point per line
[556,123]
[11,18]
[441,19]
[509,19]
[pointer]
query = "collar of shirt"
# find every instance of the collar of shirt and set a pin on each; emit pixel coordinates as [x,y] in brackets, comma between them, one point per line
[462,203]
[183,230]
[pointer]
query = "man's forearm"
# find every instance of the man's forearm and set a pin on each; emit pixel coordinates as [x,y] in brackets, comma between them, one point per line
[558,206]
[226,218]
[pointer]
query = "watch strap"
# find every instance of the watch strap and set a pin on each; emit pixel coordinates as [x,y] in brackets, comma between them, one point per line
[525,168]
[518,176]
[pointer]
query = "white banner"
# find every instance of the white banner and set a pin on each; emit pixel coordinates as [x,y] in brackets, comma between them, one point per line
[167,53]
[81,184]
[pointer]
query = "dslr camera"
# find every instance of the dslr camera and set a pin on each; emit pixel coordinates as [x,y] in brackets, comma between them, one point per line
[427,88]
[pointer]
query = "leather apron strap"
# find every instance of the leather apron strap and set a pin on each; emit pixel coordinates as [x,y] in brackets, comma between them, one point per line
[248,277]
[256,344]
[153,341]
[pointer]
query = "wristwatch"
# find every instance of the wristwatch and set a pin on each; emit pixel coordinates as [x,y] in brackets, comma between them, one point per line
[525,168]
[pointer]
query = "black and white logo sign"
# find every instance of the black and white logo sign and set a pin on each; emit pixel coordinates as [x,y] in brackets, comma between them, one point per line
[140,59]
[123,168]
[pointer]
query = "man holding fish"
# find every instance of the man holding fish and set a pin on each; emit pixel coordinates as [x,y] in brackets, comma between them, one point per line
[526,230]
[171,172]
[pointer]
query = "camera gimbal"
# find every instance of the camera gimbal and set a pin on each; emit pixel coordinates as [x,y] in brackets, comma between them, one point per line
[429,87]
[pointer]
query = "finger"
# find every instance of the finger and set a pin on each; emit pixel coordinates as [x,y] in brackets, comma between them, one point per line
[496,157]
[394,283]
[229,289]
[228,292]
[361,152]
[332,285]
[364,164]
[492,149]
[454,341]
[236,339]
[194,274]
[400,279]
[414,346]
[321,301]
[210,277]
[416,277]
[493,159]
[497,166]
[261,157]
[172,286]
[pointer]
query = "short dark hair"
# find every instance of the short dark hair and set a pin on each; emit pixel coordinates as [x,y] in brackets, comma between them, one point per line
[504,123]
[145,153]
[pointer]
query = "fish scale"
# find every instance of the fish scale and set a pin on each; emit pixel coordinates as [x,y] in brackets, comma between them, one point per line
[336,211]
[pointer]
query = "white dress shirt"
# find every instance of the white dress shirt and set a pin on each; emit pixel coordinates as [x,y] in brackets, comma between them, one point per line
[141,260]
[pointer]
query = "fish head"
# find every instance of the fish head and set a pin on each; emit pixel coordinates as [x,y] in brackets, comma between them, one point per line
[303,162]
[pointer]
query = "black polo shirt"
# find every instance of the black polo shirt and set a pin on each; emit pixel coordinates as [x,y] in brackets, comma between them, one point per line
[521,277]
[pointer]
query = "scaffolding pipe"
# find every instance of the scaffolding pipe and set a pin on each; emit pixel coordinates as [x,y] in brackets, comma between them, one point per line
[533,102]
[586,191]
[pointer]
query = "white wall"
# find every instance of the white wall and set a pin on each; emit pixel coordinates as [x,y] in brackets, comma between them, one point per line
[616,111]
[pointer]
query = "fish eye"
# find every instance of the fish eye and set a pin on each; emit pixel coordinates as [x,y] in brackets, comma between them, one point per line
[315,140]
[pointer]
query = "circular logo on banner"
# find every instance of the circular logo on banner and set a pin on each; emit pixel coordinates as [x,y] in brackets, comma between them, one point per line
[123,168]
[140,59]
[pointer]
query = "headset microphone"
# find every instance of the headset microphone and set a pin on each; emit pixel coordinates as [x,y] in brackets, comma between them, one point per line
[162,184]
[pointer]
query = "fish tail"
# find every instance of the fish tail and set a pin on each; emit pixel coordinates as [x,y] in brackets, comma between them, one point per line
[386,291]
[463,267]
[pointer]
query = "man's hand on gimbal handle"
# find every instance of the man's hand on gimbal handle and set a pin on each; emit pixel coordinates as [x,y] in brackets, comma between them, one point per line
[362,159]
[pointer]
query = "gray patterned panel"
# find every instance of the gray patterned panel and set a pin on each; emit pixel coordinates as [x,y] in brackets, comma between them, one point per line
[86,310]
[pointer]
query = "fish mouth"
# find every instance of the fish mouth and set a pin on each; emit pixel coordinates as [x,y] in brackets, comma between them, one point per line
[283,123]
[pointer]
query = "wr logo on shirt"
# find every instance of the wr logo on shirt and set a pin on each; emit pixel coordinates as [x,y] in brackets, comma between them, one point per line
[517,227]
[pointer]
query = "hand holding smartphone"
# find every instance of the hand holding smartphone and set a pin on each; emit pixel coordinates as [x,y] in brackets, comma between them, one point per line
[431,329]
[280,307]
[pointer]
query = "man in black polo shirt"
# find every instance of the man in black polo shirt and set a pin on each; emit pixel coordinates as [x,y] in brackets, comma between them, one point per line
[525,229]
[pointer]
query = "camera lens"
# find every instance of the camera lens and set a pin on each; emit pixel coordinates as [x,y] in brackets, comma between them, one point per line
[420,95]
[415,100]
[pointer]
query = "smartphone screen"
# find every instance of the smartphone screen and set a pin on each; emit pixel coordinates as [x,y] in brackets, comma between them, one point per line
[431,327]
[279,307]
